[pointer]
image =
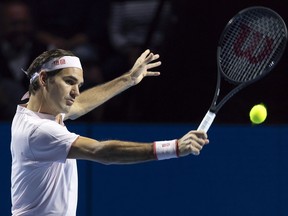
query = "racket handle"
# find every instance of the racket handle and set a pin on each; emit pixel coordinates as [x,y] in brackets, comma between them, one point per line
[207,121]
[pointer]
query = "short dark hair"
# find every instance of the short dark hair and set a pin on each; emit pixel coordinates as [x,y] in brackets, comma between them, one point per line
[42,59]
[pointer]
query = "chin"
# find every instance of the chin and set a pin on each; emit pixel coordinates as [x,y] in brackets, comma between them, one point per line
[65,109]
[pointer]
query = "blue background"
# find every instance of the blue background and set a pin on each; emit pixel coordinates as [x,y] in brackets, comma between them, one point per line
[243,171]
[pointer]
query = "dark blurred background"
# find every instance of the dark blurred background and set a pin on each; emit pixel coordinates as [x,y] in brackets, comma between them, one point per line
[243,172]
[109,35]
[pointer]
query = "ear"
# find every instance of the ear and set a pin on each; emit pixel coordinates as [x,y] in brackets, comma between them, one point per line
[43,78]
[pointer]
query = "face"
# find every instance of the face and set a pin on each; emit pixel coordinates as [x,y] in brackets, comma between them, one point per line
[61,90]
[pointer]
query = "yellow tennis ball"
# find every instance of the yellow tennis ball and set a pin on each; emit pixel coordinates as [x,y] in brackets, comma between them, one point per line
[258,114]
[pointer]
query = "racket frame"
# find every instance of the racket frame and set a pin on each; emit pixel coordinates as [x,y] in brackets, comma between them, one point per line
[214,107]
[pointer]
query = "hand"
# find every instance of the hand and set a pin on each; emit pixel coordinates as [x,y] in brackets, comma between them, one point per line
[192,143]
[142,65]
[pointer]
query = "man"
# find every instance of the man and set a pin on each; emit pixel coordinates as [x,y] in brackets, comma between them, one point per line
[44,172]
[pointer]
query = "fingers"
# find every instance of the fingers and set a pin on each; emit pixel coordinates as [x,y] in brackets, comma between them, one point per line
[148,57]
[154,64]
[153,57]
[145,53]
[152,73]
[196,146]
[147,62]
[200,134]
[192,143]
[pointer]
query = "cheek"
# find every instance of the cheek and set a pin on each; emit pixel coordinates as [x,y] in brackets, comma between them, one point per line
[59,91]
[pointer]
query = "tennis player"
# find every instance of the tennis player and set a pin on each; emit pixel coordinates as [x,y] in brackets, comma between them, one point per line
[44,173]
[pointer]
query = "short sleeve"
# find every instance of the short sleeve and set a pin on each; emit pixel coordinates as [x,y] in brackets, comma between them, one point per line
[51,142]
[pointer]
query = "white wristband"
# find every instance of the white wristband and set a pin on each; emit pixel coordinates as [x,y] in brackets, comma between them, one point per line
[166,149]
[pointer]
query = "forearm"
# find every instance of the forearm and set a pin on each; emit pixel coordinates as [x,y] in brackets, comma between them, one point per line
[95,96]
[92,98]
[119,152]
[111,151]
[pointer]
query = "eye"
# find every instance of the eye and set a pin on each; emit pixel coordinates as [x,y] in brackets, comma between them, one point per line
[70,82]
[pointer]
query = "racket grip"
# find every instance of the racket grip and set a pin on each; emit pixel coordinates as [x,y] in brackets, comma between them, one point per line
[207,121]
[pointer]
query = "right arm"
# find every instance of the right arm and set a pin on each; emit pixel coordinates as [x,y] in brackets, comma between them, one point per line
[123,152]
[97,95]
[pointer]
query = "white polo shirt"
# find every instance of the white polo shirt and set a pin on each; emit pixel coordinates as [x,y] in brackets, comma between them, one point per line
[43,181]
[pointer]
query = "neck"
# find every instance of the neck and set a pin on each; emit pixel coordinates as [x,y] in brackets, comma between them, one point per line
[36,103]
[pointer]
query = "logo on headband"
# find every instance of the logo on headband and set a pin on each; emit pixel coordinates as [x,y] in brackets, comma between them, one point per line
[59,62]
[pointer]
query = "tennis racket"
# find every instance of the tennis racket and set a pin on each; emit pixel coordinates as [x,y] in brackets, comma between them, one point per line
[250,46]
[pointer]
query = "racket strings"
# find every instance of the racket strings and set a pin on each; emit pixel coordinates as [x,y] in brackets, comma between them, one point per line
[251,45]
[252,70]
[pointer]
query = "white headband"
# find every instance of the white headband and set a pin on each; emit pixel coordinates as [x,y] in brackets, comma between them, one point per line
[58,63]
[55,64]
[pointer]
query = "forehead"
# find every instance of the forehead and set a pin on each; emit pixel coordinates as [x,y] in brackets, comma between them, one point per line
[76,73]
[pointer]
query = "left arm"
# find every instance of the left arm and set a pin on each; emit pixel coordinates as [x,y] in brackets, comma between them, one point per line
[123,152]
[95,96]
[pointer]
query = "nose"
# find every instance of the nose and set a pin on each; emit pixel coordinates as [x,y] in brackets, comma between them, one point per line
[75,91]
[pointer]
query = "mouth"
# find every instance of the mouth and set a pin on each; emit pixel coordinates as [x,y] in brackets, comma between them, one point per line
[69,102]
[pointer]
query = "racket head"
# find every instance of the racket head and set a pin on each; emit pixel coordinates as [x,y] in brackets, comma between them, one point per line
[251,44]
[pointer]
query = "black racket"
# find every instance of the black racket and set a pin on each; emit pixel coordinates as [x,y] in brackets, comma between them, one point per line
[250,46]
